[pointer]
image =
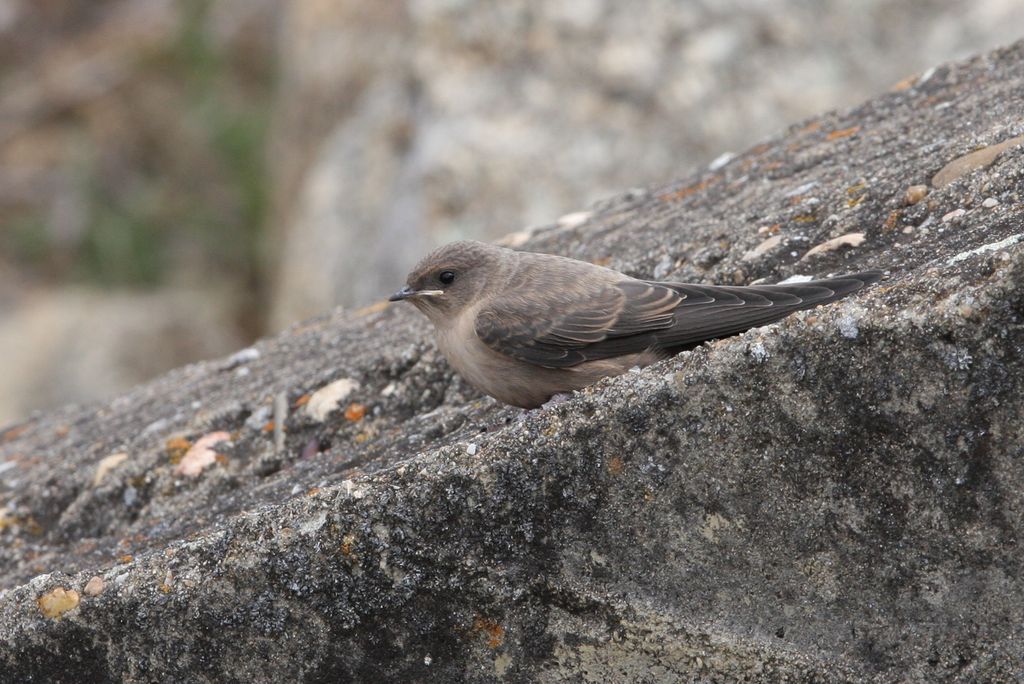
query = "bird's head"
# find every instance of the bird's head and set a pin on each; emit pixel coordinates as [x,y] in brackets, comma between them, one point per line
[451,278]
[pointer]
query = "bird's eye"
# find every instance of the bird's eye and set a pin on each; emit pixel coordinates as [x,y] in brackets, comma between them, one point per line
[446,277]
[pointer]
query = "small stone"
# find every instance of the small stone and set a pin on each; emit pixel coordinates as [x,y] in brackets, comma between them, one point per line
[329,397]
[353,490]
[763,248]
[848,327]
[259,418]
[104,467]
[848,240]
[355,412]
[709,256]
[955,214]
[990,202]
[201,454]
[800,190]
[471,449]
[95,586]
[915,193]
[240,357]
[576,218]
[664,267]
[57,602]
[720,161]
[758,352]
[973,161]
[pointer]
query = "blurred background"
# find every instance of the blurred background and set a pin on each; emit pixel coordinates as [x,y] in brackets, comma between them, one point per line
[180,177]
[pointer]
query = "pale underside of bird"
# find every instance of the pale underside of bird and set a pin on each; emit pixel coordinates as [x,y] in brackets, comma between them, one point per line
[524,326]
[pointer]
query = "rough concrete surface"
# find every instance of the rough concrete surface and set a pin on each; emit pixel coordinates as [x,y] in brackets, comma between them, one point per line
[838,496]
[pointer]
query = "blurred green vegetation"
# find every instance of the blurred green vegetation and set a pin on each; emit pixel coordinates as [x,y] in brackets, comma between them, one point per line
[236,128]
[187,191]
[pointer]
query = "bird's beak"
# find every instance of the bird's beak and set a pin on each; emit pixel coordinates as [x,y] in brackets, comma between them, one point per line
[407,292]
[404,293]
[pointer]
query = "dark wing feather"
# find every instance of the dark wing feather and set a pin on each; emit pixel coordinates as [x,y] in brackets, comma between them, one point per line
[574,324]
[570,326]
[736,309]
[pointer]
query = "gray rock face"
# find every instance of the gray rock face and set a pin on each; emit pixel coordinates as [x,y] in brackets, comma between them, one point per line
[404,125]
[835,497]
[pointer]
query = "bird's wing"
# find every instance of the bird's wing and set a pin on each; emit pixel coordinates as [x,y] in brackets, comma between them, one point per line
[709,312]
[569,326]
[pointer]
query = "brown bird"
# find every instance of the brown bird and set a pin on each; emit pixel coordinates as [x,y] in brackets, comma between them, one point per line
[522,326]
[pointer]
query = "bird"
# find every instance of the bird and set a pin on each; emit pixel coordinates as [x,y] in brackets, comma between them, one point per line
[524,326]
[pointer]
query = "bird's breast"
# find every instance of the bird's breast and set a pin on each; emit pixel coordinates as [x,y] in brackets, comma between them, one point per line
[470,357]
[502,377]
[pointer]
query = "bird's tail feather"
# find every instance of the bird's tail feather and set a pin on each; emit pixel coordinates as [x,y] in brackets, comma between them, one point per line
[723,310]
